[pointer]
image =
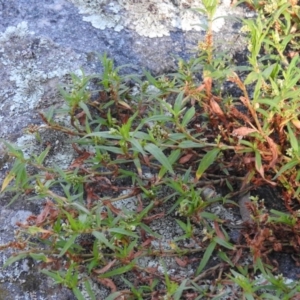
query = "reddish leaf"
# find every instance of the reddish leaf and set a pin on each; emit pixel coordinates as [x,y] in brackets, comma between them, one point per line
[81,118]
[181,263]
[149,219]
[147,242]
[108,283]
[112,208]
[146,160]
[215,108]
[274,150]
[238,255]
[48,211]
[208,85]
[78,162]
[219,233]
[140,205]
[186,158]
[106,268]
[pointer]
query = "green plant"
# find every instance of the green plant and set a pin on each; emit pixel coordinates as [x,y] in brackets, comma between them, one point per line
[164,148]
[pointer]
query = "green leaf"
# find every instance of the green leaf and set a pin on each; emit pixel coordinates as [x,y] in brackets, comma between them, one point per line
[105,135]
[136,146]
[85,109]
[251,78]
[123,232]
[258,164]
[190,144]
[188,116]
[89,290]
[293,139]
[159,155]
[14,258]
[208,159]
[151,79]
[180,289]
[286,167]
[224,243]
[78,294]
[172,159]
[38,256]
[268,71]
[178,103]
[206,256]
[68,244]
[114,296]
[110,149]
[40,159]
[118,271]
[54,275]
[100,236]
[81,207]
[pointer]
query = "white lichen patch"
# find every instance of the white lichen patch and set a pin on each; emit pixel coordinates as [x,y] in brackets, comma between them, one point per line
[150,18]
[27,63]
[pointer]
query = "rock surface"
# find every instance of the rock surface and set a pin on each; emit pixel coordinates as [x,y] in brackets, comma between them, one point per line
[41,42]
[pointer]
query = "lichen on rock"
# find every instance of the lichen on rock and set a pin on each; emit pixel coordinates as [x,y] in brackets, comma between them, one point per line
[150,18]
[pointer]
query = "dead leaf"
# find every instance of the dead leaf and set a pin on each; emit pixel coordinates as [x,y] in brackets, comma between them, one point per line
[108,283]
[296,123]
[81,117]
[215,108]
[78,162]
[243,131]
[112,208]
[106,268]
[219,233]
[208,85]
[180,262]
[186,158]
[149,219]
[49,211]
[274,150]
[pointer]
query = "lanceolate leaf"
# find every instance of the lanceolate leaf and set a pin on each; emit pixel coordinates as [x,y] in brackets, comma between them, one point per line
[258,165]
[68,244]
[172,159]
[206,161]
[10,176]
[206,256]
[118,271]
[159,155]
[188,116]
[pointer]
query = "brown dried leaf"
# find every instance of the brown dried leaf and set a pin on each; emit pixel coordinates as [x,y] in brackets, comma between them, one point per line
[219,233]
[215,108]
[186,158]
[243,131]
[81,117]
[274,150]
[108,283]
[112,208]
[180,262]
[296,123]
[78,162]
[208,85]
[149,219]
[48,211]
[106,268]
